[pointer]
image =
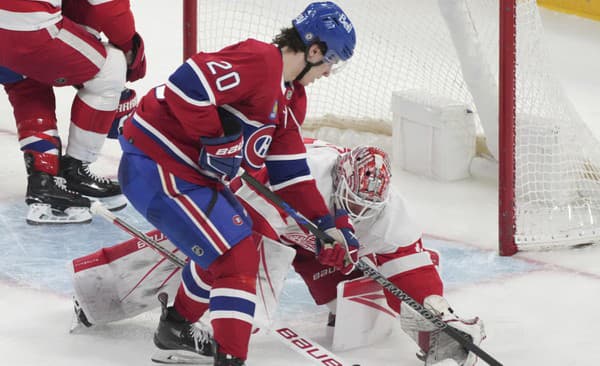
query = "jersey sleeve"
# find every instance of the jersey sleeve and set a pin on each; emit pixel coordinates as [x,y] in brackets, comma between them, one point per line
[208,80]
[289,173]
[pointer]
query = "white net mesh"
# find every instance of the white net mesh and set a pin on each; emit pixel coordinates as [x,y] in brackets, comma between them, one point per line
[406,45]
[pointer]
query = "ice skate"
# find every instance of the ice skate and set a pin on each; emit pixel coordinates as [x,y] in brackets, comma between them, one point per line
[179,341]
[222,359]
[82,180]
[50,202]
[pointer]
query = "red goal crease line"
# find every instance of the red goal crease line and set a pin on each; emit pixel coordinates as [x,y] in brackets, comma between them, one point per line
[546,266]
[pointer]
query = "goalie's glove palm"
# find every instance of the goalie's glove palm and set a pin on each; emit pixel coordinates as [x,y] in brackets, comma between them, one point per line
[342,253]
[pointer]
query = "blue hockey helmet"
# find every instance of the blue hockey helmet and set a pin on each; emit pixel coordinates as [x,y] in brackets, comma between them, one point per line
[326,22]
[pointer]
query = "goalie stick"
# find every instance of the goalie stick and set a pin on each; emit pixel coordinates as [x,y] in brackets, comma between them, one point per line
[373,273]
[294,340]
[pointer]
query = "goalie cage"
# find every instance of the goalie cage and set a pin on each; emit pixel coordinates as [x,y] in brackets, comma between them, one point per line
[549,176]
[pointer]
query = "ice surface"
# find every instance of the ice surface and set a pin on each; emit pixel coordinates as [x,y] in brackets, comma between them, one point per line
[539,307]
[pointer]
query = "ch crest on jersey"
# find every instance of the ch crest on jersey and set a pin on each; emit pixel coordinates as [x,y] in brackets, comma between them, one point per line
[237,220]
[257,144]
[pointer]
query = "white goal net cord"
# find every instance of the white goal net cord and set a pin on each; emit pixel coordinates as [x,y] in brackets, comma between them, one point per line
[407,45]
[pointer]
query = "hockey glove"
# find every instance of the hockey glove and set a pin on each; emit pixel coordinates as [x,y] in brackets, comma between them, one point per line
[343,252]
[136,59]
[127,104]
[223,155]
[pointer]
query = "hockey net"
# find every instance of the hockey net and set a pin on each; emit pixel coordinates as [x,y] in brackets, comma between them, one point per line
[448,49]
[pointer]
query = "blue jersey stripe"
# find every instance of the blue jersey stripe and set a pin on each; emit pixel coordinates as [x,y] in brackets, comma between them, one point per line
[191,284]
[161,143]
[9,76]
[40,146]
[281,171]
[186,80]
[230,303]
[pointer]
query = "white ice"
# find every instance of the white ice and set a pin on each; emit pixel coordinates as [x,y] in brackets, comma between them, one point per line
[545,315]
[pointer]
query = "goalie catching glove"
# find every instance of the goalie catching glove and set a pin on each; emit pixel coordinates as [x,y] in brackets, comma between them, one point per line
[223,155]
[342,253]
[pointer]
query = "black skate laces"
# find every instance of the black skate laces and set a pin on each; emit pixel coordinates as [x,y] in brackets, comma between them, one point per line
[97,178]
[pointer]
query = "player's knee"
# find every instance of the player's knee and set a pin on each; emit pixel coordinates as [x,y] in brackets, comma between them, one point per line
[247,251]
[104,90]
[242,260]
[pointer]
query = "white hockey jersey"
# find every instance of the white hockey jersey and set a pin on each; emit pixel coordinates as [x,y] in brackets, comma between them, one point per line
[383,233]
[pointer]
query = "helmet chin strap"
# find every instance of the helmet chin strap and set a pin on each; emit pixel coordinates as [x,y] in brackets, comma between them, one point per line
[309,65]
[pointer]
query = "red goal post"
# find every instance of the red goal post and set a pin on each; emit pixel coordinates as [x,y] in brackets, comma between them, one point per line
[506,121]
[486,54]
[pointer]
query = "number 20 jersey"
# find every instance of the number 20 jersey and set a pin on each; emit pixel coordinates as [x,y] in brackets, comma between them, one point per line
[245,80]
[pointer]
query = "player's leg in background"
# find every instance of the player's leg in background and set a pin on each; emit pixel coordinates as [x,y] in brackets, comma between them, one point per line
[47,196]
[93,113]
[73,57]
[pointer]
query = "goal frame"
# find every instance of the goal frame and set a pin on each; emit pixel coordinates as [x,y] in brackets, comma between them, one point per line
[506,127]
[506,111]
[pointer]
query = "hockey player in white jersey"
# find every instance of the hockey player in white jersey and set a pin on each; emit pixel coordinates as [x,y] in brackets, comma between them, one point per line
[356,180]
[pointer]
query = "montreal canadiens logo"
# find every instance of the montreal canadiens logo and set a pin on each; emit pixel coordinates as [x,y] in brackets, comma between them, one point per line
[257,145]
[237,220]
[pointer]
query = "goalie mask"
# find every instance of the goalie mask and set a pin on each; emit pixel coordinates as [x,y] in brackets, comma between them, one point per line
[361,179]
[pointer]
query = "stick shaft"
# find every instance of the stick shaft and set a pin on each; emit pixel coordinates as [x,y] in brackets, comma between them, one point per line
[285,335]
[373,273]
[133,231]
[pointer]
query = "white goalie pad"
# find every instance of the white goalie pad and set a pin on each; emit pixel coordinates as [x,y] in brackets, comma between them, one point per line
[275,262]
[362,315]
[122,281]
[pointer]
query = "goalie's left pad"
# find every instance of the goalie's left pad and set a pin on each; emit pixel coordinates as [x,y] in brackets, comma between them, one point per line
[274,265]
[435,344]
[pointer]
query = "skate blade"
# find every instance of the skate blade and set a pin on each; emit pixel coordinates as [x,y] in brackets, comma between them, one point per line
[180,357]
[43,213]
[114,203]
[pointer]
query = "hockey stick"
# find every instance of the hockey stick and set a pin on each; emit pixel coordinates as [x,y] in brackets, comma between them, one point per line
[98,208]
[288,336]
[373,273]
